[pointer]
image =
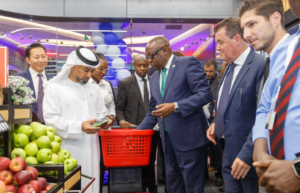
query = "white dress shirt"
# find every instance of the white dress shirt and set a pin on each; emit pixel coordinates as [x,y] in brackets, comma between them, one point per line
[141,84]
[168,68]
[107,95]
[35,80]
[239,63]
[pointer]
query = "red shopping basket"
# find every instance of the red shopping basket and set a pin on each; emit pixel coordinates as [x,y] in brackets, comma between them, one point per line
[126,147]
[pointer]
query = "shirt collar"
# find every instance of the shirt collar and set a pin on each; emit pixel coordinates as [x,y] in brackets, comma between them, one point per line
[278,43]
[94,82]
[140,79]
[35,73]
[242,58]
[169,62]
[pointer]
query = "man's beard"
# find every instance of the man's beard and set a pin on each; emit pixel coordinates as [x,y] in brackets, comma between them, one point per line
[81,81]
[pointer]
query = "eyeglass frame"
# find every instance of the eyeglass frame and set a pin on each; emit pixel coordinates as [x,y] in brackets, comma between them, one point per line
[103,69]
[151,56]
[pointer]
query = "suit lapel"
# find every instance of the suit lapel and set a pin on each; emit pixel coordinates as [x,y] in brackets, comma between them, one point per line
[170,74]
[137,91]
[246,66]
[155,87]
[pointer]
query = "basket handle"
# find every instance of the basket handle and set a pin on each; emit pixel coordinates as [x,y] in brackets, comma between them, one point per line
[118,127]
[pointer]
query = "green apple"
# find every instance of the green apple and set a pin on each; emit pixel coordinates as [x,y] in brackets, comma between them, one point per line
[18,152]
[32,137]
[25,129]
[48,173]
[21,140]
[58,139]
[69,164]
[43,142]
[31,149]
[44,155]
[34,124]
[65,171]
[34,141]
[31,160]
[55,158]
[50,129]
[39,131]
[54,146]
[50,135]
[61,157]
[66,154]
[74,160]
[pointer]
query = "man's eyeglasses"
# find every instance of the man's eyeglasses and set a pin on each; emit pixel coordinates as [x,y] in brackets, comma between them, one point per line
[151,56]
[102,69]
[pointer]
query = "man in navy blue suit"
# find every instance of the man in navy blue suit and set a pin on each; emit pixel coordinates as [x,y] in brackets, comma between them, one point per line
[37,58]
[236,106]
[179,90]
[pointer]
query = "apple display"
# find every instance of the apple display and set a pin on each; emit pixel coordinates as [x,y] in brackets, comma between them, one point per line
[66,153]
[20,140]
[55,147]
[23,177]
[69,164]
[43,142]
[50,129]
[50,135]
[58,139]
[43,182]
[6,177]
[26,188]
[55,158]
[2,187]
[4,163]
[34,172]
[11,189]
[25,129]
[18,152]
[49,173]
[31,160]
[31,149]
[39,131]
[44,155]
[17,164]
[37,185]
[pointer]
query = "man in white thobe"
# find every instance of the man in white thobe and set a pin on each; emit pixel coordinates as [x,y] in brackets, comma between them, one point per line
[71,103]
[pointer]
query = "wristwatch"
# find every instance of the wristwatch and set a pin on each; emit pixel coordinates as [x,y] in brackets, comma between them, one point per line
[176,108]
[296,166]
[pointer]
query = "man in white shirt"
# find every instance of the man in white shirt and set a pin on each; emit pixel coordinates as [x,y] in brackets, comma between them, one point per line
[236,106]
[37,58]
[70,105]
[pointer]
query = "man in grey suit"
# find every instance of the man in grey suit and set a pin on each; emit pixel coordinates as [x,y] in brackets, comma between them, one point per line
[131,108]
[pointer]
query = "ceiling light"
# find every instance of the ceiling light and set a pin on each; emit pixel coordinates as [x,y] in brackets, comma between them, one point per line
[139,40]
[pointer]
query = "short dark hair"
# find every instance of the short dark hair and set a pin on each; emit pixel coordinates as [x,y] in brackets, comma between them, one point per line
[232,27]
[31,46]
[211,62]
[263,8]
[101,56]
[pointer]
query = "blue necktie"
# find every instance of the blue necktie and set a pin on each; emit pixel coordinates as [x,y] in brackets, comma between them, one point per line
[223,101]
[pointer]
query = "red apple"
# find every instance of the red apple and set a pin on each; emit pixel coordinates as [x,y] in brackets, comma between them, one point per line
[17,164]
[6,176]
[43,182]
[4,163]
[26,188]
[34,172]
[37,185]
[23,177]
[48,187]
[2,187]
[43,191]
[11,189]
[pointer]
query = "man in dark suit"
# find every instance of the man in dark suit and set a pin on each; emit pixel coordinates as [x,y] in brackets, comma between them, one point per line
[37,58]
[179,90]
[236,106]
[215,151]
[131,108]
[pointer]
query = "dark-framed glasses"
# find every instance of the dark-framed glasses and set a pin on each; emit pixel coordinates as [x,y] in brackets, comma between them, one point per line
[102,69]
[151,56]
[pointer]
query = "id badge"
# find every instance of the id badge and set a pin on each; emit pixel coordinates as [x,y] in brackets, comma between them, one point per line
[270,120]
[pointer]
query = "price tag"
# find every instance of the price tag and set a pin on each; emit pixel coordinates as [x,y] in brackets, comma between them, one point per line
[3,125]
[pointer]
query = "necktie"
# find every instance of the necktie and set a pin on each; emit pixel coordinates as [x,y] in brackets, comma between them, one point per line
[223,100]
[40,99]
[146,95]
[266,70]
[163,84]
[287,84]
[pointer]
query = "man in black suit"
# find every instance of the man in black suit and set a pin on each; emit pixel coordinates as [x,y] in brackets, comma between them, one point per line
[37,58]
[215,151]
[132,105]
